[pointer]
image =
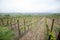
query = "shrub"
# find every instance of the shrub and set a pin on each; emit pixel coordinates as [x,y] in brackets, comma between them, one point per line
[6,34]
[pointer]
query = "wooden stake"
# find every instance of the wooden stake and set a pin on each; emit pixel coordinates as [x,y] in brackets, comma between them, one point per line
[51,29]
[18,28]
[52,25]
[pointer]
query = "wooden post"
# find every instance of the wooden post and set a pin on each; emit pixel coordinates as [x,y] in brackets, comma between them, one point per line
[28,27]
[11,27]
[31,27]
[51,29]
[52,25]
[14,19]
[18,28]
[11,24]
[2,21]
[49,37]
[7,21]
[24,26]
[58,38]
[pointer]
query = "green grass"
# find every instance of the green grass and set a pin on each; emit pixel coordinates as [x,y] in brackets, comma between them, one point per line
[6,34]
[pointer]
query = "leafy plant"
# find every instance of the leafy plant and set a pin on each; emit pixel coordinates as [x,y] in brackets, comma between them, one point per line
[52,36]
[6,34]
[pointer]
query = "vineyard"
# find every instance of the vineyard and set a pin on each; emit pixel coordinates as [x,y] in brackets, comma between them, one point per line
[26,27]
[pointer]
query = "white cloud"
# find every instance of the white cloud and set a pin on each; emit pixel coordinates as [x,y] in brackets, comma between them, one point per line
[29,6]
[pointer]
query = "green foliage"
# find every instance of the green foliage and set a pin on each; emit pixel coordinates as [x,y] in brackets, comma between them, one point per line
[52,36]
[7,16]
[49,33]
[57,29]
[6,34]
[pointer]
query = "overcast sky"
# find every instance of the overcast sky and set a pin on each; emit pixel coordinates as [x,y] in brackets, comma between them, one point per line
[52,6]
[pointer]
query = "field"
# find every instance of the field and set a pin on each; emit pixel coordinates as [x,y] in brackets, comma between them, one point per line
[29,27]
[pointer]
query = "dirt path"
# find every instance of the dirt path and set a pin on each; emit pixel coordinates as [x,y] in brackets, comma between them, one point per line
[37,33]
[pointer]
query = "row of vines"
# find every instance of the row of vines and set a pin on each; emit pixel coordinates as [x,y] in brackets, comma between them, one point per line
[16,26]
[53,33]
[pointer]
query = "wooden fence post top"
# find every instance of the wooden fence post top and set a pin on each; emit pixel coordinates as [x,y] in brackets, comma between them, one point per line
[52,24]
[17,20]
[52,19]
